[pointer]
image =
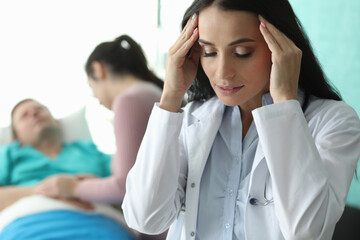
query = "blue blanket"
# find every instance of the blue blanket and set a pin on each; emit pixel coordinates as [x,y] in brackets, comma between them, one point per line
[65,225]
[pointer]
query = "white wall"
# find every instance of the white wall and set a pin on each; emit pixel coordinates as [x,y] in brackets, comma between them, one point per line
[44,45]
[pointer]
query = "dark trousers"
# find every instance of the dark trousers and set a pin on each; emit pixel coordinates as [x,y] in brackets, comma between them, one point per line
[348,227]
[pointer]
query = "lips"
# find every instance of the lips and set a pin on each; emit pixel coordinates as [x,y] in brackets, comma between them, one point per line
[227,90]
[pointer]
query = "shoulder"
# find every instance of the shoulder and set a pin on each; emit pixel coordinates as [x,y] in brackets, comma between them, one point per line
[87,150]
[8,155]
[143,90]
[139,95]
[83,145]
[325,108]
[331,114]
[10,148]
[4,152]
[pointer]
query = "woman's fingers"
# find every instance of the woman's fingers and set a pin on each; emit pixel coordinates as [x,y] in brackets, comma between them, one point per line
[85,176]
[187,48]
[286,62]
[187,38]
[78,203]
[181,66]
[54,186]
[274,37]
[269,38]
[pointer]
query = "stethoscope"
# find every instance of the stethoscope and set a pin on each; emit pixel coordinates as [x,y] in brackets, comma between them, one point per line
[266,201]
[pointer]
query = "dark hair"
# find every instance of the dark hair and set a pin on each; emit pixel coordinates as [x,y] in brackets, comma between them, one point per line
[123,56]
[312,80]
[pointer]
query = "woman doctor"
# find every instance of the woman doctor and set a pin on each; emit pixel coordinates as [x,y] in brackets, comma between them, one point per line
[265,149]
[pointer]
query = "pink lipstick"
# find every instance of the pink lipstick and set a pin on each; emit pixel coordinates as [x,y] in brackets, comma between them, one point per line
[227,90]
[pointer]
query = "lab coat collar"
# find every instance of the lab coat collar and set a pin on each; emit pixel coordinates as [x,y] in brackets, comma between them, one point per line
[267,99]
[212,107]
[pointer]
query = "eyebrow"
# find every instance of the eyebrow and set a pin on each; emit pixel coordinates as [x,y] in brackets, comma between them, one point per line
[241,40]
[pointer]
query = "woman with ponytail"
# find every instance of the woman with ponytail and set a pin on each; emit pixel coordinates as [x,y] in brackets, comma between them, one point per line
[120,78]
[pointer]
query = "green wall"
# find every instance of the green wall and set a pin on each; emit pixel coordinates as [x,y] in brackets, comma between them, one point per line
[333,27]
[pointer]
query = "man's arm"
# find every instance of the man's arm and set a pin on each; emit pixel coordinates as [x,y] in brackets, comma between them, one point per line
[11,194]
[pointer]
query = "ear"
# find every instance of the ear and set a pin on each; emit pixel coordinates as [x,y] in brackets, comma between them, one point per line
[99,70]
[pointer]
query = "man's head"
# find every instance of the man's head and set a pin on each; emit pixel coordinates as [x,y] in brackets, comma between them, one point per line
[32,123]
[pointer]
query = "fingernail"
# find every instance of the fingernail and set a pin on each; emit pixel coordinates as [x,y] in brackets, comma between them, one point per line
[195,30]
[193,16]
[263,24]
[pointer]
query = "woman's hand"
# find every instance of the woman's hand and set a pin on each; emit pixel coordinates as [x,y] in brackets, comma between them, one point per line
[58,186]
[286,62]
[77,203]
[85,176]
[181,67]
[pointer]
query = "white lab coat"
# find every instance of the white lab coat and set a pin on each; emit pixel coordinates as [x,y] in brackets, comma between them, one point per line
[311,158]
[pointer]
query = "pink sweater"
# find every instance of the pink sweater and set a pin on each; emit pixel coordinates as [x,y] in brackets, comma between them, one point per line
[131,110]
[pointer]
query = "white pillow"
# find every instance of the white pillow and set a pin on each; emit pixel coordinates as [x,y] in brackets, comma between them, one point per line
[5,135]
[74,126]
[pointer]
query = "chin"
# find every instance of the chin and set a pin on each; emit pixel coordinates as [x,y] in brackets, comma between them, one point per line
[231,100]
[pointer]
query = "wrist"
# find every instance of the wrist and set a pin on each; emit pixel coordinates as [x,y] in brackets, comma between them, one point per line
[31,190]
[171,102]
[74,190]
[284,97]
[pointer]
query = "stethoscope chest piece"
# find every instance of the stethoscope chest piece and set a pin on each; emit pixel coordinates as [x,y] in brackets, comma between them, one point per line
[256,202]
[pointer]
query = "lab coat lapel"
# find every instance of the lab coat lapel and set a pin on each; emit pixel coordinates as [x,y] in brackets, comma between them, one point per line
[200,136]
[259,156]
[203,132]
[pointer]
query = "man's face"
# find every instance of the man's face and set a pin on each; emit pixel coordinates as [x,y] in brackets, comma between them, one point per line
[29,120]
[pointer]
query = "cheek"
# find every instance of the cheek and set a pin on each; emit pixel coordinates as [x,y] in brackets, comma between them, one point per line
[259,69]
[208,67]
[96,88]
[95,93]
[98,92]
[23,132]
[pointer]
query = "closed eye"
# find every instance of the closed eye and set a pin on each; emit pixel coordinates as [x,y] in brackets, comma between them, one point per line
[205,54]
[24,115]
[243,55]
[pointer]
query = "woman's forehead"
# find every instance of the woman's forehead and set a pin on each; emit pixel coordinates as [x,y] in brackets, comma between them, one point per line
[215,22]
[214,18]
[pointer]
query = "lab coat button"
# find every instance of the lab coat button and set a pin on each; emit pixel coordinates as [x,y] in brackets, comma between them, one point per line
[231,192]
[192,234]
[227,225]
[193,185]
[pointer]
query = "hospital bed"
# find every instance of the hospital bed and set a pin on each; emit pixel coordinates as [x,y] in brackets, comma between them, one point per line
[104,216]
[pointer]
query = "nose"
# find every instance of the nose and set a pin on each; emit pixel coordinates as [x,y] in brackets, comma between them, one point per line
[224,68]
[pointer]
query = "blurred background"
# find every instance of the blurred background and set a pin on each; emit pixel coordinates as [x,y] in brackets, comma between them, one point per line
[44,46]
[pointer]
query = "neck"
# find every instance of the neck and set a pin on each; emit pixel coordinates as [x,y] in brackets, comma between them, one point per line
[50,149]
[246,120]
[49,141]
[121,83]
[246,115]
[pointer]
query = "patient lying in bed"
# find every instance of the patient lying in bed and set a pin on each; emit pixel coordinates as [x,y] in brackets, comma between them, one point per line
[38,152]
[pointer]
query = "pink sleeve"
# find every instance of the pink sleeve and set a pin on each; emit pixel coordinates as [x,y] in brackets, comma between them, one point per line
[131,115]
